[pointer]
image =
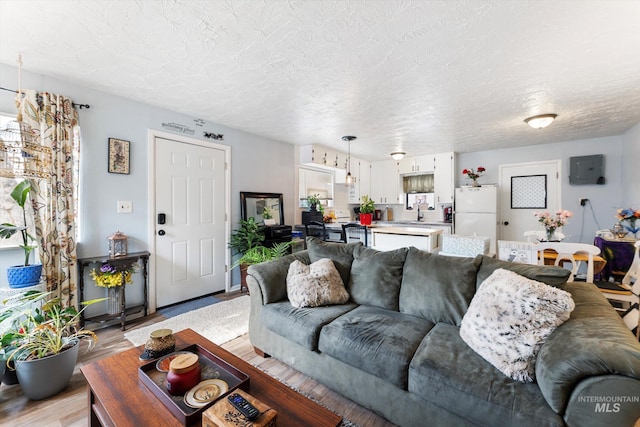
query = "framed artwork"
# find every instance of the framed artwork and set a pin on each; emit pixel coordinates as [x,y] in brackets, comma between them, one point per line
[118,156]
[529,192]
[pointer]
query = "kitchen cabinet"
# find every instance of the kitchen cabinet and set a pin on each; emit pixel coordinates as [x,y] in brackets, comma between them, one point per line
[416,164]
[361,169]
[385,182]
[317,155]
[443,177]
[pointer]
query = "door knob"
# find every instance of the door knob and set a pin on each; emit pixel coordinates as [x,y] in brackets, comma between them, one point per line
[506,223]
[161,232]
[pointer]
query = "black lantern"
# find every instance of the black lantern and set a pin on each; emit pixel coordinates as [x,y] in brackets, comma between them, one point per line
[117,245]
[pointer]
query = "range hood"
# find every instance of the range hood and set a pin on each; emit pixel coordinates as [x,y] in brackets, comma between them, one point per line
[418,183]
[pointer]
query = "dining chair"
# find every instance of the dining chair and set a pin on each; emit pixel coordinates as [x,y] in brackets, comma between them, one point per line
[360,235]
[316,229]
[537,235]
[625,296]
[566,253]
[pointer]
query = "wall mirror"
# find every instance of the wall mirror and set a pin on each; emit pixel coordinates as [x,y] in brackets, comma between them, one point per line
[255,205]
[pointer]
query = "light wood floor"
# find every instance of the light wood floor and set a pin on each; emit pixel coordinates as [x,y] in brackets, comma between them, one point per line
[70,407]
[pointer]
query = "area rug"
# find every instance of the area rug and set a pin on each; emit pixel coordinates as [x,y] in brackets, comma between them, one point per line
[185,307]
[218,323]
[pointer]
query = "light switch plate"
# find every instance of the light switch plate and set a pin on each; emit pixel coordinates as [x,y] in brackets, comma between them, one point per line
[125,206]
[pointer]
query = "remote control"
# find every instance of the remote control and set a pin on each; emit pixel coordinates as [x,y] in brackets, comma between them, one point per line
[242,405]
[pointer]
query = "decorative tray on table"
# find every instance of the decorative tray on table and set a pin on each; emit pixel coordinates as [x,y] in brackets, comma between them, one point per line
[218,380]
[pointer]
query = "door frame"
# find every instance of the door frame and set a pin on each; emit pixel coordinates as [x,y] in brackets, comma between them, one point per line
[152,136]
[501,168]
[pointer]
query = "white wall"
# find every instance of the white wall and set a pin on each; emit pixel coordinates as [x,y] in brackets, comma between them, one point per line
[631,168]
[257,163]
[604,199]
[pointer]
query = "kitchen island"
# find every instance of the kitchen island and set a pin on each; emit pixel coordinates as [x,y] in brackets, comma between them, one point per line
[388,238]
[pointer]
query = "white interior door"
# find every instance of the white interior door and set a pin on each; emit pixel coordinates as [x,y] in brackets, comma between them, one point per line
[524,189]
[190,244]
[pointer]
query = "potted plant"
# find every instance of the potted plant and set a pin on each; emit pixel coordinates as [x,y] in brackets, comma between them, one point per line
[20,276]
[42,338]
[247,236]
[259,254]
[113,276]
[367,207]
[314,202]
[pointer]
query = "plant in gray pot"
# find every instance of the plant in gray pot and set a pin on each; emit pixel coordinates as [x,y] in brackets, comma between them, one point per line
[42,339]
[20,276]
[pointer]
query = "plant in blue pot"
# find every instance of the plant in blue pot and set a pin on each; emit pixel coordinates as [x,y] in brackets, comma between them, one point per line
[21,276]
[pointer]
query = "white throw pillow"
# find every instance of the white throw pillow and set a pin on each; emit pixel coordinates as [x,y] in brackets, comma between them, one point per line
[316,284]
[509,319]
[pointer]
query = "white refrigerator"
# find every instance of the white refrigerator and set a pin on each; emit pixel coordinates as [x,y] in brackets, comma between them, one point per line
[475,212]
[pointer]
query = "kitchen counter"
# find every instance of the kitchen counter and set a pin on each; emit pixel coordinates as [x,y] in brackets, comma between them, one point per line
[389,238]
[410,231]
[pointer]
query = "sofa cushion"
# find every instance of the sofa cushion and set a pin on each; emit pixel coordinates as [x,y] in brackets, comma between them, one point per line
[447,372]
[509,319]
[340,253]
[553,276]
[437,288]
[315,284]
[300,325]
[376,277]
[378,341]
[274,273]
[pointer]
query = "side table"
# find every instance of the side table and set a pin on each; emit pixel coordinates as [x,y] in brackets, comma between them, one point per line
[121,263]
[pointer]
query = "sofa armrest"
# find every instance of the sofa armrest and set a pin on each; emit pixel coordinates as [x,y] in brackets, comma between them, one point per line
[271,276]
[594,342]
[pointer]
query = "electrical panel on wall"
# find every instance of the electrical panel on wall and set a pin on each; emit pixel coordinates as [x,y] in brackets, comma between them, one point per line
[586,170]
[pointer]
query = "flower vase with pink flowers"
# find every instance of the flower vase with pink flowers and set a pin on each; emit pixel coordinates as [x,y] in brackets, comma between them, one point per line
[552,222]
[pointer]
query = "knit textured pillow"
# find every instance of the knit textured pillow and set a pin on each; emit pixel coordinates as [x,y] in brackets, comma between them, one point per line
[509,319]
[315,285]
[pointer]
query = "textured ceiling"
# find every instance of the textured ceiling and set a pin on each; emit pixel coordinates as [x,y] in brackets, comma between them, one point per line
[411,75]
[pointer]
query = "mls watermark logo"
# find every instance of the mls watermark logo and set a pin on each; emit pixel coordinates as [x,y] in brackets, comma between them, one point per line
[609,404]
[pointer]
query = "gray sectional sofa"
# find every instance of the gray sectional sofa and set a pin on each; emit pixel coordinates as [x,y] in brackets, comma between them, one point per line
[395,346]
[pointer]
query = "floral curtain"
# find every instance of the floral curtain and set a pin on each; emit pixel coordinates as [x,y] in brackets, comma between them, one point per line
[55,200]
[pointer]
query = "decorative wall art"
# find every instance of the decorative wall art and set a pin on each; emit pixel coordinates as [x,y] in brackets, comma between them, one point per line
[118,156]
[529,192]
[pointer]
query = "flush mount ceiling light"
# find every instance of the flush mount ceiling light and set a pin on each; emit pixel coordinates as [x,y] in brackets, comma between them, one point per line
[540,121]
[398,155]
[349,179]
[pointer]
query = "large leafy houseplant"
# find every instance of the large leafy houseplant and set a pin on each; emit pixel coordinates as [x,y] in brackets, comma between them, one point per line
[20,194]
[245,237]
[41,337]
[259,254]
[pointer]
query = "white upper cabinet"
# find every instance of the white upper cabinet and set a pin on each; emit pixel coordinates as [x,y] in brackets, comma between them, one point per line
[317,155]
[416,164]
[443,178]
[385,182]
[361,170]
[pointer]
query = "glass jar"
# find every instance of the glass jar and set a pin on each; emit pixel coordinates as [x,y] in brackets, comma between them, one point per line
[619,231]
[184,374]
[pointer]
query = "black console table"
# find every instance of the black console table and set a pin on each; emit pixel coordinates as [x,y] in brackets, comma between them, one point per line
[121,263]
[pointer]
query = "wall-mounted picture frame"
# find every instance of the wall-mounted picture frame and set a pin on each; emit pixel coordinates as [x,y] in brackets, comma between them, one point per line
[118,156]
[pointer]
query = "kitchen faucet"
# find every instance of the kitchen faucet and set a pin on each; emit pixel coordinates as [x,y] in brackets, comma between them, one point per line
[420,214]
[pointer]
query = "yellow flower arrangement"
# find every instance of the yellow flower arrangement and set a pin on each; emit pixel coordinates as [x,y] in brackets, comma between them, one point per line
[108,276]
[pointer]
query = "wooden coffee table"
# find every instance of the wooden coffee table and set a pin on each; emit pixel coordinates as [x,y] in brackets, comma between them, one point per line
[118,398]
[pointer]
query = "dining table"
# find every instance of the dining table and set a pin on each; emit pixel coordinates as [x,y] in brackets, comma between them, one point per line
[599,262]
[618,254]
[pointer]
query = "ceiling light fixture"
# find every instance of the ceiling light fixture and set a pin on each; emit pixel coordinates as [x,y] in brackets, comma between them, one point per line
[349,180]
[398,155]
[540,121]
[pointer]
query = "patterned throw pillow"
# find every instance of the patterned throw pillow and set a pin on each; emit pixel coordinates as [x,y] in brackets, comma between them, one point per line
[509,319]
[316,284]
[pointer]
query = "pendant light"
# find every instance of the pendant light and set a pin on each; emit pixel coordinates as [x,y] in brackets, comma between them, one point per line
[349,180]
